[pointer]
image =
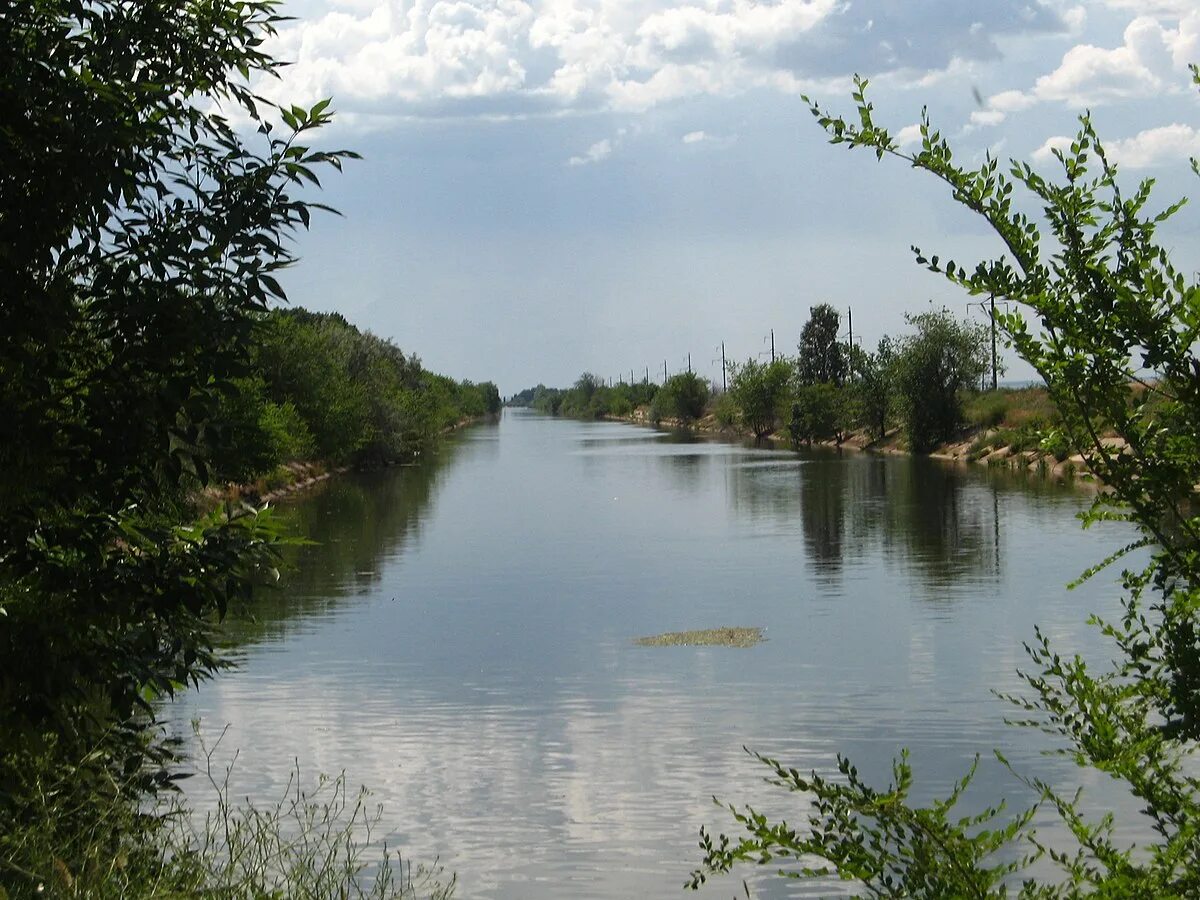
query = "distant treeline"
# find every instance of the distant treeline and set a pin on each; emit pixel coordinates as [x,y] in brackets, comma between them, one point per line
[317,387]
[926,382]
[681,397]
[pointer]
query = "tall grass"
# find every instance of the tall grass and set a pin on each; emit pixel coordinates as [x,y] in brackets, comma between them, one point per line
[318,841]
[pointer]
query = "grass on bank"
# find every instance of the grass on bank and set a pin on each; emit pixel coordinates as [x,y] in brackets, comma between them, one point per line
[314,842]
[712,637]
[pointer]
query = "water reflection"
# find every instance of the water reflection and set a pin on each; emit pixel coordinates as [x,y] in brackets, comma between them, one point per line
[940,521]
[351,526]
[460,639]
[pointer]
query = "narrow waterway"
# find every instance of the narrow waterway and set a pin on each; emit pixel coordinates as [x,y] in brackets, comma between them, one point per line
[459,637]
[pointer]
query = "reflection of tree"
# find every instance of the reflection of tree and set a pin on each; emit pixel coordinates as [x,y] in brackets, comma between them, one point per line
[684,468]
[823,485]
[355,522]
[942,522]
[944,518]
[763,490]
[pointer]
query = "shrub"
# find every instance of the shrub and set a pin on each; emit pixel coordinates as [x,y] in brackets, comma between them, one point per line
[932,368]
[762,393]
[683,397]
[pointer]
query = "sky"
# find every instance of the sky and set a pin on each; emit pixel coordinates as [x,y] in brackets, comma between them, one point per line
[556,186]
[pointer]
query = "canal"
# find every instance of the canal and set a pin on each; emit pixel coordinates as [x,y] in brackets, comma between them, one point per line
[459,636]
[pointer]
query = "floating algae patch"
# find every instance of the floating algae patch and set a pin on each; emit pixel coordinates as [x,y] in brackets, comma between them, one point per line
[711,637]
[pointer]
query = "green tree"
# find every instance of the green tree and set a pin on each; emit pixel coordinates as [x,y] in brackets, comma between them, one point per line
[1120,328]
[762,393]
[932,367]
[682,397]
[308,360]
[822,358]
[817,414]
[873,387]
[141,237]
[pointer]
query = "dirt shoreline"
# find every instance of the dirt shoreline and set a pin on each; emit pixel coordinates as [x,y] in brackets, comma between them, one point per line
[1070,470]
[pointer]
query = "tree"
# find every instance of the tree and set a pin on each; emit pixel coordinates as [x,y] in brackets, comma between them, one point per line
[761,392]
[931,369]
[822,358]
[1120,328]
[816,414]
[141,237]
[873,388]
[682,397]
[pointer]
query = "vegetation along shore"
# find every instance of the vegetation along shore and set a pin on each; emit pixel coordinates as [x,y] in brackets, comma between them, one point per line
[148,372]
[933,391]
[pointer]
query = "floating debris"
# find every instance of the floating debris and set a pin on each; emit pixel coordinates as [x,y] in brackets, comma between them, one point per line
[711,637]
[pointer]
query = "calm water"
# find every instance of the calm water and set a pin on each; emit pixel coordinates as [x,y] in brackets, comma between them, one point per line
[460,639]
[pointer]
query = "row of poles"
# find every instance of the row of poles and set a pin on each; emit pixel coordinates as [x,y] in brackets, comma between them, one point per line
[988,307]
[851,337]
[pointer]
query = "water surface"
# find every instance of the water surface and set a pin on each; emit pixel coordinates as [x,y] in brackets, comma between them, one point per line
[460,639]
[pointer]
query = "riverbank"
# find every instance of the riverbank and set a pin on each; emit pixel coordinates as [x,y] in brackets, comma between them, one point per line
[298,475]
[1012,429]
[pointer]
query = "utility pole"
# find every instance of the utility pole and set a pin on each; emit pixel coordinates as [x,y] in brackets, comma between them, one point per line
[992,299]
[664,371]
[772,345]
[647,374]
[723,387]
[990,309]
[689,364]
[850,340]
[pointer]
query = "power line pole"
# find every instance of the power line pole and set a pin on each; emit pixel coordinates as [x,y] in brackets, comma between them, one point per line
[850,339]
[990,309]
[664,371]
[772,345]
[992,299]
[689,364]
[723,387]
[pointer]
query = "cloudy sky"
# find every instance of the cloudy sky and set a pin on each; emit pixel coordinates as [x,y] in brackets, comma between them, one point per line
[554,186]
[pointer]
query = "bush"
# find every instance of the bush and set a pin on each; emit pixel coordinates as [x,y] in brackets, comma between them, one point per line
[988,410]
[762,393]
[683,397]
[726,411]
[945,357]
[815,414]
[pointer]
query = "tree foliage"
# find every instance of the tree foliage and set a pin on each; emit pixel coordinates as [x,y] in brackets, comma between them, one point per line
[822,357]
[817,414]
[141,237]
[762,392]
[873,387]
[682,397]
[931,369]
[1119,329]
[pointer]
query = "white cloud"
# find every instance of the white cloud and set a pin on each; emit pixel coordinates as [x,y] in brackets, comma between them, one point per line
[1154,146]
[600,150]
[1010,101]
[1166,144]
[1149,62]
[1154,7]
[1045,153]
[908,135]
[506,58]
[1075,18]
[981,117]
[710,140]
